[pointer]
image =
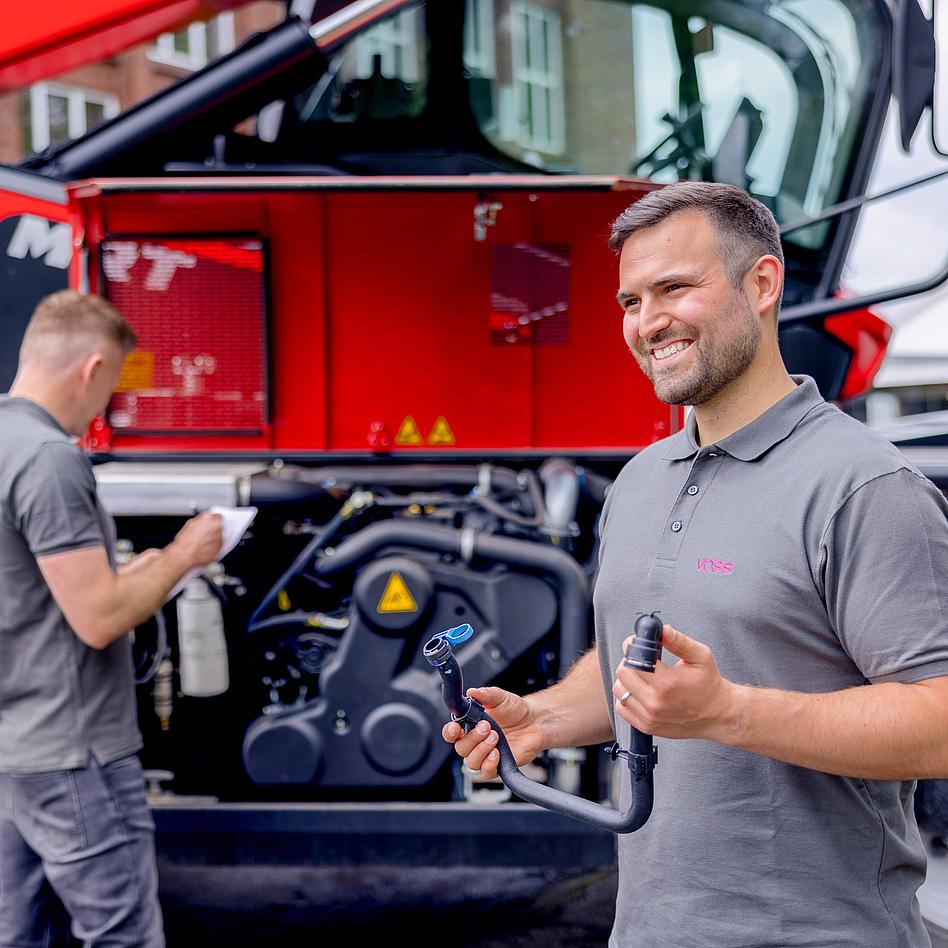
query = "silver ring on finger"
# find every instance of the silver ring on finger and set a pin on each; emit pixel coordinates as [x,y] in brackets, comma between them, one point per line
[624,698]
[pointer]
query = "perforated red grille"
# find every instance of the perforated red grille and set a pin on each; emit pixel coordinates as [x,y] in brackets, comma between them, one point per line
[197,306]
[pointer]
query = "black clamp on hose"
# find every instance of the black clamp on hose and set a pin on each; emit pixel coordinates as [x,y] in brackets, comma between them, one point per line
[641,757]
[638,763]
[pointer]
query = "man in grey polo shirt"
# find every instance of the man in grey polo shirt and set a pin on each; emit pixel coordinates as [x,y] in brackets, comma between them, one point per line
[73,815]
[806,561]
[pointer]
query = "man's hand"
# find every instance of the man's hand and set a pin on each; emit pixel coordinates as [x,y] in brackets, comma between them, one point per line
[199,541]
[690,699]
[514,715]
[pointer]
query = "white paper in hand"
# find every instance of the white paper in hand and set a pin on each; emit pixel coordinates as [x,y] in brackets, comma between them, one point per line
[235,521]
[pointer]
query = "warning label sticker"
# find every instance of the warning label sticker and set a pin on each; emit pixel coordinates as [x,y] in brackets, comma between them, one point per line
[441,433]
[409,432]
[397,597]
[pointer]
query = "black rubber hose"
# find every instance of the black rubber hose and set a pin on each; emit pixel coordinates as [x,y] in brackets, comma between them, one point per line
[440,655]
[231,88]
[572,585]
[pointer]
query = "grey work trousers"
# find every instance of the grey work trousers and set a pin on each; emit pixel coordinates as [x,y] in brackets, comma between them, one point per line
[86,835]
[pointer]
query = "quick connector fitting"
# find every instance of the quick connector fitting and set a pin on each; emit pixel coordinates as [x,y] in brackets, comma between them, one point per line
[644,651]
[641,757]
[439,651]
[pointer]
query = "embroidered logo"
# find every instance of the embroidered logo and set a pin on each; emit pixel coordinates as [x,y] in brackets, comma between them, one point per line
[715,566]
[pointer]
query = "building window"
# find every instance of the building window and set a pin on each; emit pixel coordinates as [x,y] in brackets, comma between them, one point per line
[537,54]
[56,114]
[480,57]
[196,45]
[394,42]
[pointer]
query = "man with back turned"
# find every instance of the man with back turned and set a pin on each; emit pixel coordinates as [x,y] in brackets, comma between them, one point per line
[75,829]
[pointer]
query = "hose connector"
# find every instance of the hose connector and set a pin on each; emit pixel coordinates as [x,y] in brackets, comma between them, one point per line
[644,650]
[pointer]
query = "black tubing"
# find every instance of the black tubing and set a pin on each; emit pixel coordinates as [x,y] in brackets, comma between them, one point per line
[252,75]
[573,587]
[441,655]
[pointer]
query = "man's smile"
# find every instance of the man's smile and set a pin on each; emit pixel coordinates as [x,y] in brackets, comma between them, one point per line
[669,350]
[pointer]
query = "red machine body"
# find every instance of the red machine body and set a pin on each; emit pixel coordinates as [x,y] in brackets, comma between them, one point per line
[440,333]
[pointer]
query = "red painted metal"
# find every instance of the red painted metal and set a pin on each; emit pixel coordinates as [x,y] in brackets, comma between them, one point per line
[198,309]
[13,203]
[380,299]
[52,36]
[867,335]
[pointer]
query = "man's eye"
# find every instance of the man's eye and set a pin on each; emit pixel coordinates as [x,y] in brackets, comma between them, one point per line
[675,286]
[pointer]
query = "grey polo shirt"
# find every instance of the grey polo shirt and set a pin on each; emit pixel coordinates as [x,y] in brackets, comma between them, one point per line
[59,699]
[811,557]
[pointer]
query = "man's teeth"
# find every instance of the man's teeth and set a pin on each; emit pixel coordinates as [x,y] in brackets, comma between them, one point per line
[670,350]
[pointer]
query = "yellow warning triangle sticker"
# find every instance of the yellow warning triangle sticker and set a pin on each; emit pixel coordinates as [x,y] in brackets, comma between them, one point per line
[397,597]
[441,433]
[409,432]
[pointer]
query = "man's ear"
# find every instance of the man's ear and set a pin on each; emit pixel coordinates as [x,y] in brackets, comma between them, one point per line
[767,282]
[91,367]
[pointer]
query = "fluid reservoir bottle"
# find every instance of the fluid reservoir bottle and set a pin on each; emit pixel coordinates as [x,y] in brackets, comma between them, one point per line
[201,643]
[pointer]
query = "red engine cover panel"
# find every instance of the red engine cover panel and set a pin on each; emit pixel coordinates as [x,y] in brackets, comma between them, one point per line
[399,321]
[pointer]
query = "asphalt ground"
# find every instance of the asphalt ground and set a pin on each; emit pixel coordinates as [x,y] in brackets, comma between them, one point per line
[244,906]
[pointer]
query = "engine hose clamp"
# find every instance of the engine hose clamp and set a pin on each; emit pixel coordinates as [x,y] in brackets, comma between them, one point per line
[639,764]
[484,476]
[471,717]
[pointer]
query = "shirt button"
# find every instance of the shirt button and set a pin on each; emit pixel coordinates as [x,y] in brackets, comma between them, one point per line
[676,526]
[693,489]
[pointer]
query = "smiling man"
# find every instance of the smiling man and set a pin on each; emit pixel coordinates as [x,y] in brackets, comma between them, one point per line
[805,560]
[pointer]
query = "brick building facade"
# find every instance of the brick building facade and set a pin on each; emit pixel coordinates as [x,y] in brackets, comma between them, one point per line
[65,106]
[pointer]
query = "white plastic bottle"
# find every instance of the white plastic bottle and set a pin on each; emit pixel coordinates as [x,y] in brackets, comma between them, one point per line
[201,643]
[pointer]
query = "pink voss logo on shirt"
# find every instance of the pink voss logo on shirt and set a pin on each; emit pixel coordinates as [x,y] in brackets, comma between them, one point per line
[715,566]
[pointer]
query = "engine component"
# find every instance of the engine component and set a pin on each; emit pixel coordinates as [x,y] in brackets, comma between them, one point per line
[162,695]
[201,643]
[375,705]
[393,593]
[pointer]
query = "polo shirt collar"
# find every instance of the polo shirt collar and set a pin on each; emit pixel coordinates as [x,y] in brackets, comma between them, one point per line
[758,436]
[29,407]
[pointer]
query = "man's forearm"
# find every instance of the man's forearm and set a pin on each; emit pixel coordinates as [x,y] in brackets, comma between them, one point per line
[885,731]
[574,712]
[140,591]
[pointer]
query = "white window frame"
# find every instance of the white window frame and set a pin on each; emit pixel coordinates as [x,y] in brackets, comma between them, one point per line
[529,23]
[196,56]
[396,40]
[480,48]
[76,99]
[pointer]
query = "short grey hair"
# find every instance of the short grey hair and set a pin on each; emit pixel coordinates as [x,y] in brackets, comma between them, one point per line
[745,229]
[63,320]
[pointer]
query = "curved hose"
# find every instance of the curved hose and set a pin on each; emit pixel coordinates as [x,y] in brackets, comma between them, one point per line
[572,585]
[641,756]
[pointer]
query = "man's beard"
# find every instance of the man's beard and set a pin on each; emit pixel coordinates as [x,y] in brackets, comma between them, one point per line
[728,350]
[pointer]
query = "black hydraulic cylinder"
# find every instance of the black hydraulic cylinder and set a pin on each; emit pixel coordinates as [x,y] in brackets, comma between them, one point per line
[247,79]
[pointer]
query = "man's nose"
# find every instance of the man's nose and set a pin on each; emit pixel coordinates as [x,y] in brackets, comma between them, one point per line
[653,319]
